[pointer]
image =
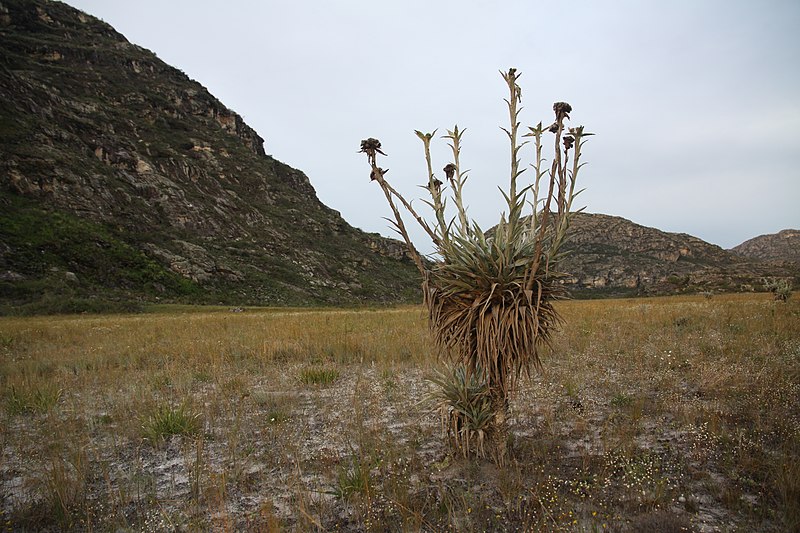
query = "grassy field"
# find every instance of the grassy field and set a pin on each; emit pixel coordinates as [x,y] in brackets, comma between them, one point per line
[671,414]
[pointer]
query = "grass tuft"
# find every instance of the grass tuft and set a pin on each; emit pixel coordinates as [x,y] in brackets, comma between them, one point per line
[353,479]
[38,400]
[321,376]
[166,421]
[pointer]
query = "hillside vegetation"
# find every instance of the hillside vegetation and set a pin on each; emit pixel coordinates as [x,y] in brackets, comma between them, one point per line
[129,175]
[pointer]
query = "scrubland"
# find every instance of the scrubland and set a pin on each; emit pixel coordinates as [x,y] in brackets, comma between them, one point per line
[663,414]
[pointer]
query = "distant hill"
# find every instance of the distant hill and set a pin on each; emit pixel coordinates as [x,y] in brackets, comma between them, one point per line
[122,180]
[781,246]
[610,255]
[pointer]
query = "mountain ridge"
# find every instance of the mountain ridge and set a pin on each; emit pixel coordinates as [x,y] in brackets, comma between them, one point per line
[131,154]
[610,255]
[123,181]
[782,246]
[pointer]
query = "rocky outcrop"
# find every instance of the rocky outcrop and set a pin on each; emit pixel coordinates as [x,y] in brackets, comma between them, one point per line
[782,246]
[389,248]
[612,255]
[96,129]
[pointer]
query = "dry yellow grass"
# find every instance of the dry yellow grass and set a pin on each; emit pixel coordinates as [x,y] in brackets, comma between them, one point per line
[650,413]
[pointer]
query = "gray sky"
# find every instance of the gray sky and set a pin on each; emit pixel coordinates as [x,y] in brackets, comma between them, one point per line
[695,103]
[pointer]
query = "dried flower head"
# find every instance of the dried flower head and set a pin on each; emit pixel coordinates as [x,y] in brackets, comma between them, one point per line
[562,110]
[371,146]
[449,170]
[553,127]
[437,184]
[569,140]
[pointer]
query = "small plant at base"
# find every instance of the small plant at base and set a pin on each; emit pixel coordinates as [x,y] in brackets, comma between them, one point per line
[781,289]
[490,294]
[466,408]
[166,421]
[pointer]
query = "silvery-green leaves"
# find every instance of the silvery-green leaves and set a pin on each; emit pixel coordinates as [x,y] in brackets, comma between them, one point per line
[490,295]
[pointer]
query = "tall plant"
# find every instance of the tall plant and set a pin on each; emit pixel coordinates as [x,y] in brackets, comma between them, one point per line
[490,295]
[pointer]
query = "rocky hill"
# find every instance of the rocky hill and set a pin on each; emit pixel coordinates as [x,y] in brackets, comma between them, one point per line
[783,246]
[121,179]
[613,256]
[124,181]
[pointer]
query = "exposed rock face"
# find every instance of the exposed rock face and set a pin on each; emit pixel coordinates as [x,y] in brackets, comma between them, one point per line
[389,248]
[612,255]
[95,128]
[781,246]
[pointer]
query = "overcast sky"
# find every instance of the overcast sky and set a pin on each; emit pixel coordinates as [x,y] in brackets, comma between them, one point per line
[695,103]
